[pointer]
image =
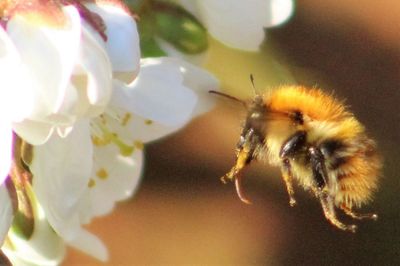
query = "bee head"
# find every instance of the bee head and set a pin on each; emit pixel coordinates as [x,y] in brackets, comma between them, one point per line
[253,132]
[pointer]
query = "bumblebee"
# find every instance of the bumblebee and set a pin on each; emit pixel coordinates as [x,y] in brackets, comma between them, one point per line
[315,140]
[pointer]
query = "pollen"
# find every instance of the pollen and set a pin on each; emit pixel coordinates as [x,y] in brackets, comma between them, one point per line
[103,119]
[102,173]
[97,141]
[127,117]
[138,144]
[91,183]
[148,122]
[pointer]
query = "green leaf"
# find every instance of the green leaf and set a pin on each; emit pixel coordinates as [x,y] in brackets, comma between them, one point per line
[148,45]
[177,26]
[150,48]
[134,5]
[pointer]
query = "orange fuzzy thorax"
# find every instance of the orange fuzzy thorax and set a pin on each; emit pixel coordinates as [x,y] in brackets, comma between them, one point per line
[312,102]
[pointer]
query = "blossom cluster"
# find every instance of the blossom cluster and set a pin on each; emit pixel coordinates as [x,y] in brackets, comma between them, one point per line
[77,105]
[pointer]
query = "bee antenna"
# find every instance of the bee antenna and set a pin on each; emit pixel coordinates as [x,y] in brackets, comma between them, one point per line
[229,97]
[253,84]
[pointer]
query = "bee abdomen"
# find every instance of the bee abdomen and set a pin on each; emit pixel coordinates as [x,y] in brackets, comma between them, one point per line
[357,176]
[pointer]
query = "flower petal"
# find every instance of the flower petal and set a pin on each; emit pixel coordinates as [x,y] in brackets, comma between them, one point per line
[36,133]
[243,21]
[157,94]
[50,70]
[140,126]
[6,150]
[90,244]
[6,212]
[115,177]
[15,82]
[96,64]
[132,128]
[199,80]
[122,36]
[280,12]
[61,169]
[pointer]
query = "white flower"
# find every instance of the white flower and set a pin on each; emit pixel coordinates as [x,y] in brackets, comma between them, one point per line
[88,114]
[240,24]
[58,70]
[71,77]
[92,178]
[13,107]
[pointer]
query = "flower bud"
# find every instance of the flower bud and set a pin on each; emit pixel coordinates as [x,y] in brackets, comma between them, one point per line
[175,25]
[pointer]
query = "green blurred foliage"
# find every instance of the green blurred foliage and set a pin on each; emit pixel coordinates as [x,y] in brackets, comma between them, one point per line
[170,22]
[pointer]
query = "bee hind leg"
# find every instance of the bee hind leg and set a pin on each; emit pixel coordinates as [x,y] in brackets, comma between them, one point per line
[359,216]
[327,203]
[322,189]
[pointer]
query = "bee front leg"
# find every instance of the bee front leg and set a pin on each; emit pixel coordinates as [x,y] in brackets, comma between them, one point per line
[244,155]
[322,189]
[288,178]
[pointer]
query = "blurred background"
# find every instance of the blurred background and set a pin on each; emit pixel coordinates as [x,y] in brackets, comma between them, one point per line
[183,215]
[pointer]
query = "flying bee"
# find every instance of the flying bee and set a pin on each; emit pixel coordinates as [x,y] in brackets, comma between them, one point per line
[315,140]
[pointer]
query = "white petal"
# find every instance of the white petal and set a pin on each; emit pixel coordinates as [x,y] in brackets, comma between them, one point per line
[6,150]
[46,252]
[15,82]
[243,21]
[280,12]
[6,212]
[50,54]
[135,128]
[122,37]
[44,247]
[61,169]
[199,80]
[69,104]
[157,94]
[36,133]
[141,126]
[115,177]
[96,64]
[90,244]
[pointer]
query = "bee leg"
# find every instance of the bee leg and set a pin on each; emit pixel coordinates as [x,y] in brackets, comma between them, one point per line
[328,207]
[347,210]
[239,190]
[235,175]
[243,157]
[321,189]
[288,178]
[289,148]
[293,144]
